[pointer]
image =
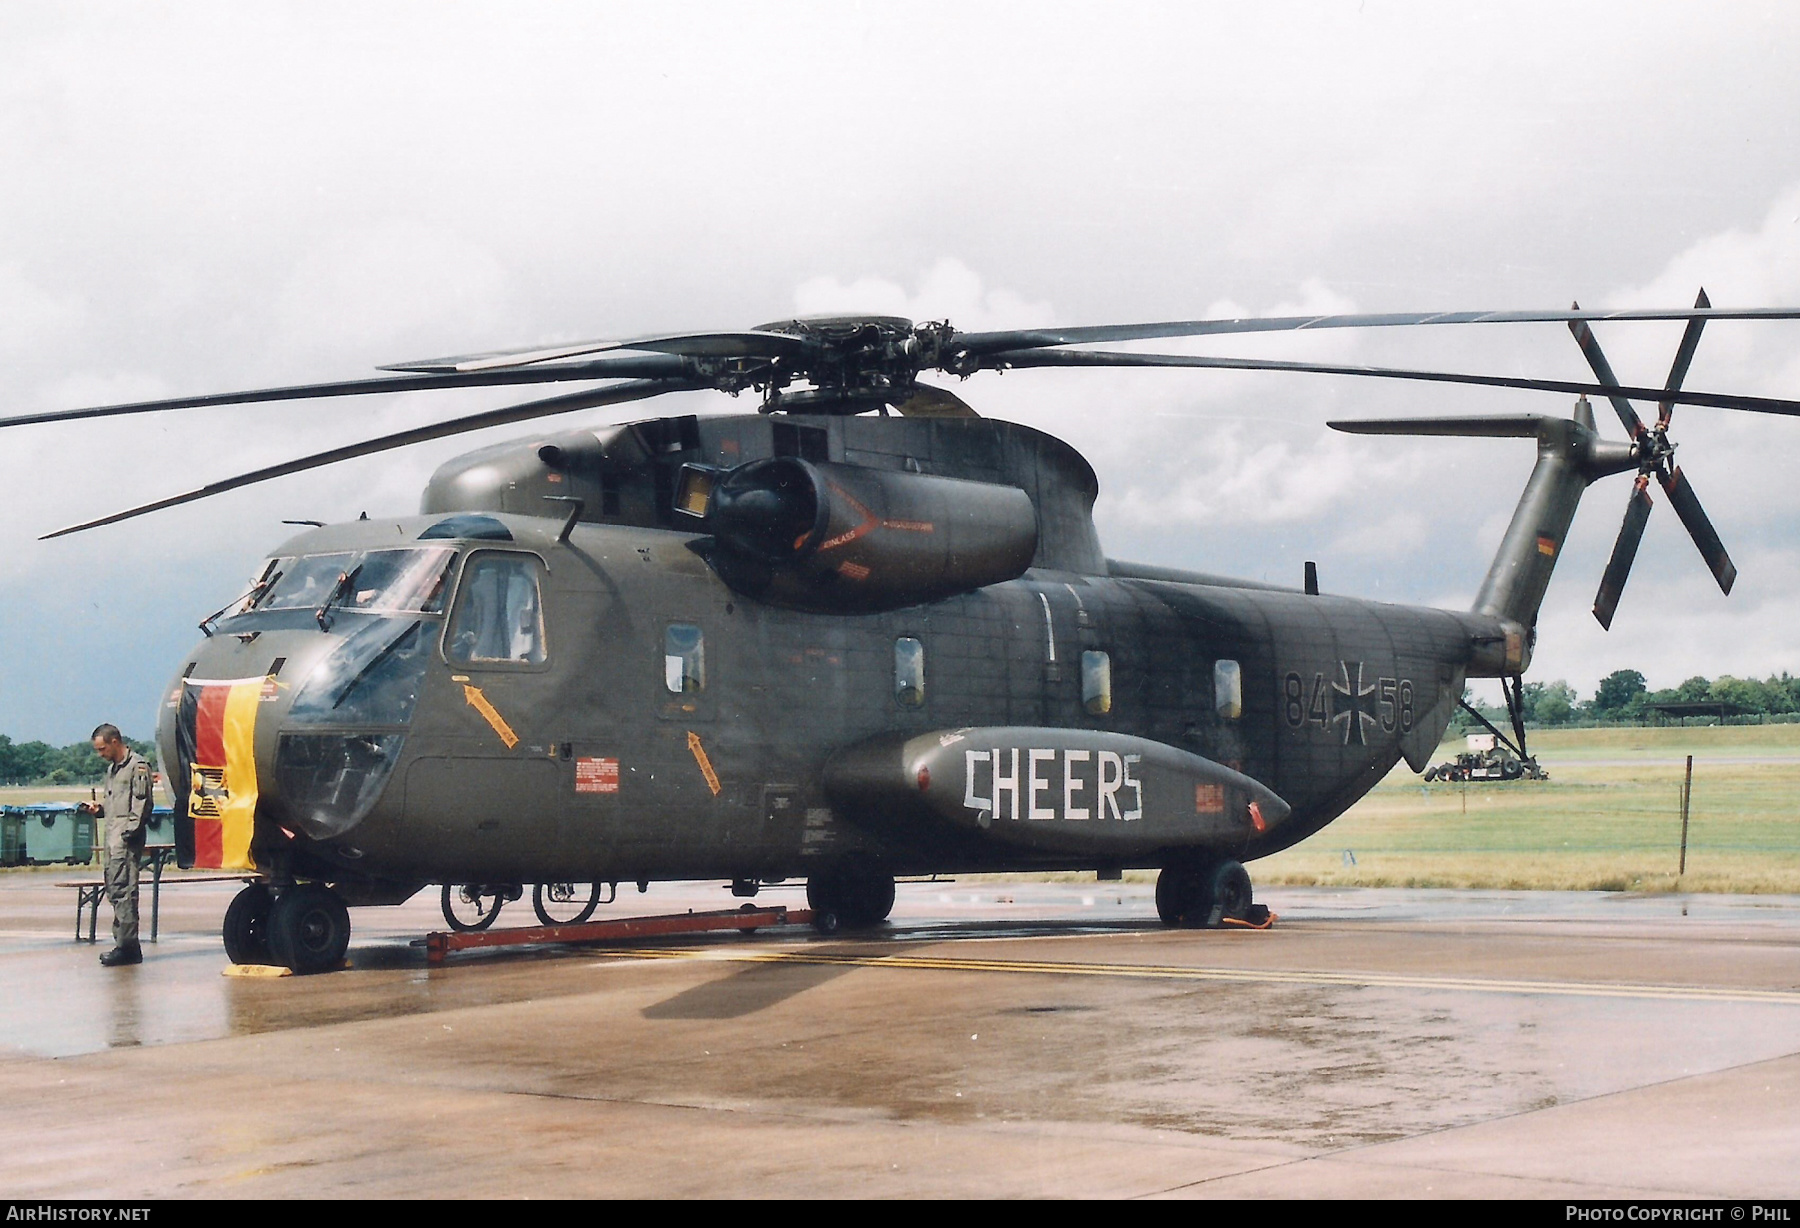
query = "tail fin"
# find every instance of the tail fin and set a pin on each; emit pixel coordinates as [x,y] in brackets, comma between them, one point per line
[1571,455]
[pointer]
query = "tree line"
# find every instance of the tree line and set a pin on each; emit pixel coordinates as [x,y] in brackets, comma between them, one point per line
[1624,698]
[39,763]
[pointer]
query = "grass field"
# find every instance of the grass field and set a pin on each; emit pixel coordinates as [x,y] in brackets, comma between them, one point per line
[1609,819]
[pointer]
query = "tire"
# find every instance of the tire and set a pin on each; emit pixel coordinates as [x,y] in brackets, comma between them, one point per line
[856,896]
[1199,896]
[1181,895]
[1229,892]
[309,929]
[477,911]
[564,903]
[874,898]
[246,928]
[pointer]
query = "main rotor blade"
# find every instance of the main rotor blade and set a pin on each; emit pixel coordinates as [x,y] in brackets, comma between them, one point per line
[930,401]
[636,366]
[1101,358]
[1687,506]
[1501,426]
[635,390]
[1036,338]
[1684,354]
[1590,348]
[746,343]
[1618,567]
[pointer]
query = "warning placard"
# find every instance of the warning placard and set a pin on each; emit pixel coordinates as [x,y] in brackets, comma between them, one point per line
[596,775]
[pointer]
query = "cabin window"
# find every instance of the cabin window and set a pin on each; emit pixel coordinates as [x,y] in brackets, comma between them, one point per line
[1228,689]
[1096,683]
[499,611]
[684,659]
[909,672]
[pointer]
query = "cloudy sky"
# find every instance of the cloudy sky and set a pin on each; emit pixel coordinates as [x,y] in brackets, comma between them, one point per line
[200,197]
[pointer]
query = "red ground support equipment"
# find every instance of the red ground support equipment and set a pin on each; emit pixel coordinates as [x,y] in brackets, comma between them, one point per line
[440,943]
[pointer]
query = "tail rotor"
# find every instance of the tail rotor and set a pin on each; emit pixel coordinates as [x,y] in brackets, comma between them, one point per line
[1655,456]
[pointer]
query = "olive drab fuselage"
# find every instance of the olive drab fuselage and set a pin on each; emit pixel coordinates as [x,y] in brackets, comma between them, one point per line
[555,673]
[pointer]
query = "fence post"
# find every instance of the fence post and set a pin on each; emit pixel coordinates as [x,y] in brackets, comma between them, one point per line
[1687,795]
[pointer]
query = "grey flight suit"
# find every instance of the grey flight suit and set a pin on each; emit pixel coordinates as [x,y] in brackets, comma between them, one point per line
[126,804]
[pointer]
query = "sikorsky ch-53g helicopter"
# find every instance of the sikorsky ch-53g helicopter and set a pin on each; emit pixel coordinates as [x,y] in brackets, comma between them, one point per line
[823,641]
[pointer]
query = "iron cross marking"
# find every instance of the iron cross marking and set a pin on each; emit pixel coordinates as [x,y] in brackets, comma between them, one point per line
[1352,703]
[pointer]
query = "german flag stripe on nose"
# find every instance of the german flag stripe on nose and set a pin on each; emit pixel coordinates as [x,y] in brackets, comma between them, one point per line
[216,742]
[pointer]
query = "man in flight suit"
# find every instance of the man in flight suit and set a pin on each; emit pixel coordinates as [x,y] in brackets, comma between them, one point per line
[126,805]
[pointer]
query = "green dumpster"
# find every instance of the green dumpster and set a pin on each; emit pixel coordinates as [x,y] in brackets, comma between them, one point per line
[58,832]
[12,836]
[159,830]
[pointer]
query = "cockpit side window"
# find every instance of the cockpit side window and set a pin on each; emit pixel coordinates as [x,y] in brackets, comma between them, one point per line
[499,615]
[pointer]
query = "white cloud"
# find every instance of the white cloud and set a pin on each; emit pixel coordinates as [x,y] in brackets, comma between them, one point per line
[378,289]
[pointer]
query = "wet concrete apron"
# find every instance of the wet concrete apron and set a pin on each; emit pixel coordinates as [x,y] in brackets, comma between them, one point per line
[994,1040]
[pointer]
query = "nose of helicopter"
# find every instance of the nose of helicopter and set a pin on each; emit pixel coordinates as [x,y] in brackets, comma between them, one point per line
[299,725]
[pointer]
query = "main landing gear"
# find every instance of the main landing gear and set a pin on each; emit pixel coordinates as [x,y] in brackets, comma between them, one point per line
[849,896]
[305,927]
[1204,894]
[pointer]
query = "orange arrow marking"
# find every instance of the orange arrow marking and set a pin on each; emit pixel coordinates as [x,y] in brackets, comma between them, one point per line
[706,767]
[480,703]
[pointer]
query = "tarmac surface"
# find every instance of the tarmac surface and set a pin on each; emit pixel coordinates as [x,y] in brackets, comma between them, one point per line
[996,1039]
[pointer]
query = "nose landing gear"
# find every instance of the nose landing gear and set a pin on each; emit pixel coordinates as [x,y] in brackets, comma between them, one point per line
[305,927]
[246,928]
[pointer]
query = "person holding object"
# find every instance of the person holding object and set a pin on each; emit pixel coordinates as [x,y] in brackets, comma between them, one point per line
[126,801]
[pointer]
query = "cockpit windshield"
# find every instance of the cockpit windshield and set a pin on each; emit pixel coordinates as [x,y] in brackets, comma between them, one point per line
[409,580]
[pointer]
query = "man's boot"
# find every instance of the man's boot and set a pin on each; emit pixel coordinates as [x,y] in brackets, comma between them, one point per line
[122,955]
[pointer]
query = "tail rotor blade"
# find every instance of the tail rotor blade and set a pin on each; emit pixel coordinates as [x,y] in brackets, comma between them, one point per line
[1683,356]
[1687,506]
[1618,568]
[1590,348]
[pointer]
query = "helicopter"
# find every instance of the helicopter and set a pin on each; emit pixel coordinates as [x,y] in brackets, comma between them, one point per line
[860,634]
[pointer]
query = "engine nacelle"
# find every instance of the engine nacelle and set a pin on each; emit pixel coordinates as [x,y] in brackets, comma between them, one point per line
[830,538]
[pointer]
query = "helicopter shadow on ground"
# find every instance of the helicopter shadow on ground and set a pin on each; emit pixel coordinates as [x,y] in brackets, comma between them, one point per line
[751,989]
[760,986]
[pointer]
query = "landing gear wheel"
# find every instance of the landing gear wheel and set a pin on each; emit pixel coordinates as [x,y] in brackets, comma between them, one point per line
[851,896]
[471,906]
[309,928]
[1230,891]
[564,903]
[1199,895]
[1180,895]
[246,929]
